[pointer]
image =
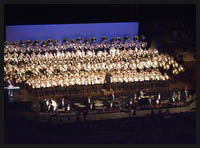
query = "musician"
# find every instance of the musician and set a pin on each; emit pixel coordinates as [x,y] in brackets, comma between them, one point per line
[108,81]
[89,101]
[173,96]
[135,98]
[48,103]
[186,92]
[159,96]
[113,96]
[91,106]
[141,94]
[179,96]
[44,106]
[68,107]
[149,100]
[157,101]
[132,112]
[63,103]
[183,95]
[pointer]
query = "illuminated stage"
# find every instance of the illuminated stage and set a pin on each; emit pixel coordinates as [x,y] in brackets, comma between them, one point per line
[96,67]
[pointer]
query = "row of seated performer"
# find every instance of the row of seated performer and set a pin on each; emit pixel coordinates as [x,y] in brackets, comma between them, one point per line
[80,44]
[131,64]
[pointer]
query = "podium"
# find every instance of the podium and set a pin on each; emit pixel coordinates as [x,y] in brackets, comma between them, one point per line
[10,92]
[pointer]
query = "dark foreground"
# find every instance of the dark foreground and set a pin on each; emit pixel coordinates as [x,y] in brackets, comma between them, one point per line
[178,128]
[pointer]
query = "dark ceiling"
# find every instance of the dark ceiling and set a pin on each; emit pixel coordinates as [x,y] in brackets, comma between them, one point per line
[62,14]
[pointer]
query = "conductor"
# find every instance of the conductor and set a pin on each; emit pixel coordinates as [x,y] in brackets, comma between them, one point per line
[108,81]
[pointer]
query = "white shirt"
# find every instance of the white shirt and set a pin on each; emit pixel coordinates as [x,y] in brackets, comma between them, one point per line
[159,96]
[186,93]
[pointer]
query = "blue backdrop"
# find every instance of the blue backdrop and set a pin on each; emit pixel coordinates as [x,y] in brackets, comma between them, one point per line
[71,31]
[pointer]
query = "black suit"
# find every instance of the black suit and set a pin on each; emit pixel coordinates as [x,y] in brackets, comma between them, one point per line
[108,81]
[183,95]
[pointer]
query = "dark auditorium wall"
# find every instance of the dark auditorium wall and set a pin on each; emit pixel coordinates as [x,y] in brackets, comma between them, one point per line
[156,21]
[66,14]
